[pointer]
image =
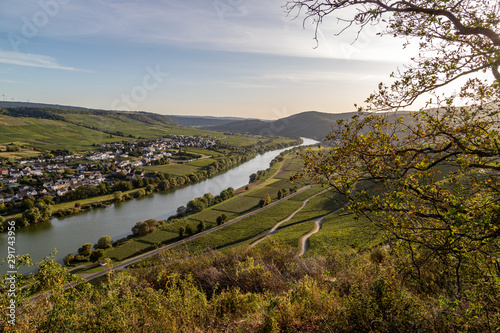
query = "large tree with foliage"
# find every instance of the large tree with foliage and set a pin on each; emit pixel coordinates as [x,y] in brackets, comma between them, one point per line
[431,181]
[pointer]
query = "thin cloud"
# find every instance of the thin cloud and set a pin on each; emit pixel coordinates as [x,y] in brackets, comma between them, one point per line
[32,60]
[311,77]
[255,26]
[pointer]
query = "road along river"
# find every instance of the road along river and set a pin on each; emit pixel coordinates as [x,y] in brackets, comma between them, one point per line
[68,234]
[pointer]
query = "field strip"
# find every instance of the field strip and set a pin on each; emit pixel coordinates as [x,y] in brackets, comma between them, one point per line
[303,240]
[125,263]
[273,230]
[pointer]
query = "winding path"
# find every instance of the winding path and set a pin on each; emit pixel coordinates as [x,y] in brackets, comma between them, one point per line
[271,232]
[317,226]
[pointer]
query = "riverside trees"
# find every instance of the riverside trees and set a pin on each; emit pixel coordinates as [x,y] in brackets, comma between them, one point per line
[433,183]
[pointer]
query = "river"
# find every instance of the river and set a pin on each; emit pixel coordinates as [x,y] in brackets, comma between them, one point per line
[69,233]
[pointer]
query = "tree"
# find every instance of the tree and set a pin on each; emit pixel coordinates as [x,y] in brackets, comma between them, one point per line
[457,38]
[267,199]
[39,213]
[221,219]
[189,230]
[139,193]
[181,211]
[68,259]
[118,196]
[432,182]
[182,232]
[104,242]
[164,185]
[85,250]
[210,198]
[201,226]
[143,228]
[12,148]
[97,255]
[195,206]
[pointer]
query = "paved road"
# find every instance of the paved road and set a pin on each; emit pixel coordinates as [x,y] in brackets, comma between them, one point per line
[133,260]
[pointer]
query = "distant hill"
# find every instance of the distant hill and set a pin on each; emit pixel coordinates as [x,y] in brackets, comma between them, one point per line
[5,104]
[78,129]
[201,121]
[310,124]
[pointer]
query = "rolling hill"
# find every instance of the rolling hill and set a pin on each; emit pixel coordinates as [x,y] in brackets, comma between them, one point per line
[201,121]
[63,128]
[310,124]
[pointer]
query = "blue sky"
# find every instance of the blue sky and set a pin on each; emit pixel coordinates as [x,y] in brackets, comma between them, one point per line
[241,58]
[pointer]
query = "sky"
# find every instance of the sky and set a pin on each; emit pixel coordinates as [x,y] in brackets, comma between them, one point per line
[243,58]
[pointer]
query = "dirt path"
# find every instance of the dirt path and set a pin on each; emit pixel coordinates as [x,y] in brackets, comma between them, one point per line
[305,238]
[271,232]
[317,226]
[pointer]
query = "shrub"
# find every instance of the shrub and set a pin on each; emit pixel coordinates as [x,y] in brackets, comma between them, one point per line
[221,219]
[139,193]
[85,250]
[68,259]
[201,226]
[104,242]
[189,230]
[97,255]
[143,228]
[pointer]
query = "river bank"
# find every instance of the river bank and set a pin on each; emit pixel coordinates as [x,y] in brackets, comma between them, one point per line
[67,234]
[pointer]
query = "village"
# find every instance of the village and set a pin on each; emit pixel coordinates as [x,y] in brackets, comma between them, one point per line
[55,175]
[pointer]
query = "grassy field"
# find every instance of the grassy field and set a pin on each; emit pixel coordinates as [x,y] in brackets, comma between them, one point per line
[173,169]
[290,235]
[246,228]
[344,229]
[307,193]
[201,163]
[78,131]
[50,134]
[339,229]
[318,206]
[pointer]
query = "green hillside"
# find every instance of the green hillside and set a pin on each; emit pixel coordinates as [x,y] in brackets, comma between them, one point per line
[310,124]
[78,129]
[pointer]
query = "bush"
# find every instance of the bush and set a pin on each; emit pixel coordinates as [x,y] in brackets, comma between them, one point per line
[97,255]
[118,196]
[85,250]
[104,242]
[221,219]
[143,228]
[12,148]
[68,259]
[189,230]
[80,258]
[139,193]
